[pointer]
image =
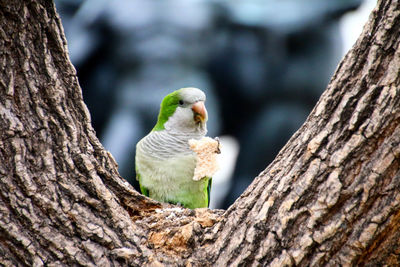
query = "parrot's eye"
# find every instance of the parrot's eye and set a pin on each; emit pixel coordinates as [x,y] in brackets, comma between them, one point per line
[180,102]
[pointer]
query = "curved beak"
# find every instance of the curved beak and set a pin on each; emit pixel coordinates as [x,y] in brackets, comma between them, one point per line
[200,112]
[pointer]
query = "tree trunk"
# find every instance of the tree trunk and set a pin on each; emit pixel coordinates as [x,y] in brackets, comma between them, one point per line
[330,198]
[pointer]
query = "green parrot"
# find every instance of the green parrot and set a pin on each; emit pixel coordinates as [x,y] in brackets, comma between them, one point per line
[164,162]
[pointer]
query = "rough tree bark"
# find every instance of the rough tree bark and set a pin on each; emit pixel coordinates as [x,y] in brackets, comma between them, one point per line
[331,197]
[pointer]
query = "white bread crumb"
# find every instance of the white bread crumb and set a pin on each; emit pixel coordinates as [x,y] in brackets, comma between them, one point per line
[206,150]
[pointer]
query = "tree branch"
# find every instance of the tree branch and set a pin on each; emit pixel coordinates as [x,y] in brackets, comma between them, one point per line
[331,197]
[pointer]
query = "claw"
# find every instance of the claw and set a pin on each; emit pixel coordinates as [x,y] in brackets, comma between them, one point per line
[218,151]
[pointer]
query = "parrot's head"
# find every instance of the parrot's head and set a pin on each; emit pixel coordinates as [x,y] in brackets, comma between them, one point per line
[183,111]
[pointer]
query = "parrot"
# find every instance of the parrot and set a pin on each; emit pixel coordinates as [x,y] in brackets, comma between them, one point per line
[164,162]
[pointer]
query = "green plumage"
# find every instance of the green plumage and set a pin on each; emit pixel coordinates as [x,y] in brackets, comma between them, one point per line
[167,108]
[143,189]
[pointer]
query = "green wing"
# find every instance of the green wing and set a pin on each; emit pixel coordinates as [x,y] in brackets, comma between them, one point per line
[208,192]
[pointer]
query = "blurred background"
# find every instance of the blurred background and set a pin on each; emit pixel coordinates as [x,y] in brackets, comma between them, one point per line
[262,63]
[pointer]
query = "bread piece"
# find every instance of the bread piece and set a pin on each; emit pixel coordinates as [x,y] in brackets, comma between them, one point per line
[206,150]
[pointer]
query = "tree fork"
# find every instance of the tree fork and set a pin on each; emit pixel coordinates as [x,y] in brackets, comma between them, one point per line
[331,197]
